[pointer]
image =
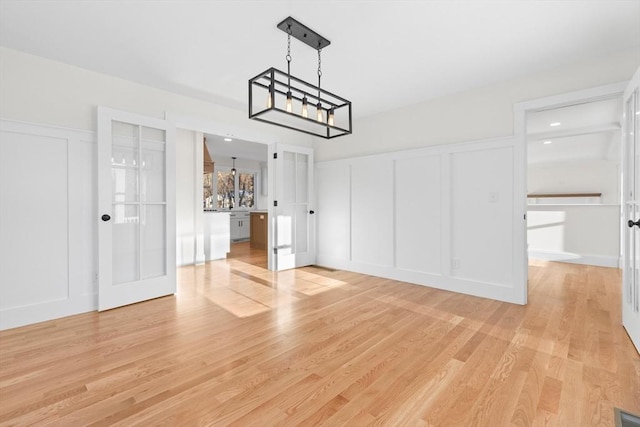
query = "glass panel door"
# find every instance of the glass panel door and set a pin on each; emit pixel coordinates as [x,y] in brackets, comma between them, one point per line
[294,240]
[137,208]
[631,210]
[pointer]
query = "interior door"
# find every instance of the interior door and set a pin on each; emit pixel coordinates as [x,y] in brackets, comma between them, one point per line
[293,242]
[136,232]
[631,203]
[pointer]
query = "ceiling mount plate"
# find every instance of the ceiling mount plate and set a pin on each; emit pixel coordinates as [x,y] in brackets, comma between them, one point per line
[303,33]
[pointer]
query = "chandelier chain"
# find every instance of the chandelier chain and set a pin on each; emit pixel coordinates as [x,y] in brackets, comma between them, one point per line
[288,57]
[319,72]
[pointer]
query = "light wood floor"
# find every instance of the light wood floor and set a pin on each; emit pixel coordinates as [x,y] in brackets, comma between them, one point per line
[239,345]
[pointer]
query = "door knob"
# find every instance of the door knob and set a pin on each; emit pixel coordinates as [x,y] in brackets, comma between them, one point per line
[312,212]
[631,223]
[105,217]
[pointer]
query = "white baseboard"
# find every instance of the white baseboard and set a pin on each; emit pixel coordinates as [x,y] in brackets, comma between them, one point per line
[496,291]
[596,260]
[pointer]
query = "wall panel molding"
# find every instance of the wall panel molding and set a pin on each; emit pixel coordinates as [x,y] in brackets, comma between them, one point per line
[47,211]
[438,194]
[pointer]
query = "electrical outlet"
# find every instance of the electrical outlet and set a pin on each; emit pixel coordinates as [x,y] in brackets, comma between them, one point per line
[455,263]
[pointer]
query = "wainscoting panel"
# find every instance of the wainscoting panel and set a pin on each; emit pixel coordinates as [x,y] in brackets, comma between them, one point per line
[372,212]
[418,214]
[443,216]
[333,189]
[482,216]
[47,223]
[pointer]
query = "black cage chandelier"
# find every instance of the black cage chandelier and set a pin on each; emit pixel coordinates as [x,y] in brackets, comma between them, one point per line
[284,100]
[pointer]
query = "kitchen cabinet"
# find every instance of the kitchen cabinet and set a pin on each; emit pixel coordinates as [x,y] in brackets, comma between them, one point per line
[216,235]
[258,230]
[240,227]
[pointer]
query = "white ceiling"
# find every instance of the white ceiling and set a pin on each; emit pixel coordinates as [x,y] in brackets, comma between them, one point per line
[384,54]
[589,131]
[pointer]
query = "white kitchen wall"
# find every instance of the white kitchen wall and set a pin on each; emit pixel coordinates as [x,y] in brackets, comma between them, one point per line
[48,223]
[440,216]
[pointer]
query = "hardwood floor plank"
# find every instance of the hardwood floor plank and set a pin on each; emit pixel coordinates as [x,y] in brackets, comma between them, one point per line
[239,345]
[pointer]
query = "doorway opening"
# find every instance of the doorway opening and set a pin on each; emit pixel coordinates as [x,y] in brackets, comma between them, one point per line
[573,182]
[524,109]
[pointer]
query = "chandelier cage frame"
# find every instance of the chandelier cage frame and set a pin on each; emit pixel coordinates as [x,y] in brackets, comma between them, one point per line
[270,90]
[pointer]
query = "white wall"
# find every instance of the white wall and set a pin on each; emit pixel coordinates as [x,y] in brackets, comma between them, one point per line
[588,176]
[440,216]
[577,234]
[189,215]
[40,90]
[480,113]
[584,234]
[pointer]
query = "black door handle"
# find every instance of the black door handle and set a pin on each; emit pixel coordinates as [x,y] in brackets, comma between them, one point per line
[312,212]
[105,217]
[631,223]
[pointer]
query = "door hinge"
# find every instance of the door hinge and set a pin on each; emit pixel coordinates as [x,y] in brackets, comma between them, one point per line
[275,155]
[275,251]
[525,217]
[275,203]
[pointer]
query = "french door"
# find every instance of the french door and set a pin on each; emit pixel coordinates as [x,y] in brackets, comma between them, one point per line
[293,242]
[631,207]
[136,202]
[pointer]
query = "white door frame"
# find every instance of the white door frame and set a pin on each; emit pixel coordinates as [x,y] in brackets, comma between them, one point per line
[217,127]
[520,111]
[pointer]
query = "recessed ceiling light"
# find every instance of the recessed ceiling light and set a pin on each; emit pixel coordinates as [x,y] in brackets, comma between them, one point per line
[554,124]
[547,142]
[228,139]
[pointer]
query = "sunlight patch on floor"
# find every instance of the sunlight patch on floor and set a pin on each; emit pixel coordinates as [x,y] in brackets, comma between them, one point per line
[247,289]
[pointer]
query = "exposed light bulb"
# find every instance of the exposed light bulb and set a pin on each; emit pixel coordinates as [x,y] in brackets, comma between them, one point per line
[319,113]
[270,97]
[289,106]
[331,117]
[305,109]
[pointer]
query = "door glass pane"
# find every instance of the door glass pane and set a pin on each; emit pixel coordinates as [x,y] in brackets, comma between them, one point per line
[152,183]
[124,162]
[302,173]
[302,219]
[289,177]
[225,183]
[245,190]
[154,241]
[125,243]
[284,227]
